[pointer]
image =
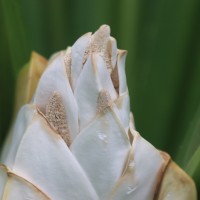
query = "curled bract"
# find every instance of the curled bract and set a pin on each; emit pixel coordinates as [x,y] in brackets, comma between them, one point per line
[76,138]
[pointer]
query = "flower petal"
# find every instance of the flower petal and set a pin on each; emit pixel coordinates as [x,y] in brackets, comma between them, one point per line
[13,186]
[55,56]
[3,180]
[140,178]
[121,72]
[77,52]
[86,94]
[122,110]
[104,76]
[11,145]
[122,104]
[53,80]
[44,159]
[105,145]
[113,51]
[18,189]
[93,79]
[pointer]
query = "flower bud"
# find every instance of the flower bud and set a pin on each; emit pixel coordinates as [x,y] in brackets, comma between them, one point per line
[76,139]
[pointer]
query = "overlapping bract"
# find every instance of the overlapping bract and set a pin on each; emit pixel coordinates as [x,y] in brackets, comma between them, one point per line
[76,139]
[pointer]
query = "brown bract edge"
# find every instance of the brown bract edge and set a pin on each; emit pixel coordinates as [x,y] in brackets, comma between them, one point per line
[161,173]
[10,174]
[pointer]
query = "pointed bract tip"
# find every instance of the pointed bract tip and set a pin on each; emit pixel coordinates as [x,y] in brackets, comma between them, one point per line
[88,34]
[104,30]
[104,27]
[122,53]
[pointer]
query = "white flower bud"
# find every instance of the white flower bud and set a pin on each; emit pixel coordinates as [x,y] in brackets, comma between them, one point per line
[76,139]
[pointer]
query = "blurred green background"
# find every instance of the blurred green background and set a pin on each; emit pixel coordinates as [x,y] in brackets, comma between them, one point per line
[163,63]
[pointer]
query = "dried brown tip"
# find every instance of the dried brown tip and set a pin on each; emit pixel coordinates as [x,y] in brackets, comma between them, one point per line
[176,184]
[28,79]
[56,116]
[101,37]
[104,101]
[100,44]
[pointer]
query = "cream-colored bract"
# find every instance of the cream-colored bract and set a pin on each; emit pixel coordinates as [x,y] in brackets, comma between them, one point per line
[76,139]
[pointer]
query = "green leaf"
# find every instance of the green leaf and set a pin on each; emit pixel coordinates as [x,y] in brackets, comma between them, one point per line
[189,95]
[48,25]
[6,81]
[88,16]
[193,168]
[190,143]
[127,36]
[164,33]
[19,42]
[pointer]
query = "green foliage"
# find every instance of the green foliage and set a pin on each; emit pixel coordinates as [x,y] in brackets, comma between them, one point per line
[6,81]
[193,168]
[163,63]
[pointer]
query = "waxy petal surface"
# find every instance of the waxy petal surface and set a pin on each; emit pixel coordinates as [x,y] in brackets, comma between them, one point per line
[53,80]
[77,55]
[93,79]
[44,159]
[105,145]
[140,178]
[24,118]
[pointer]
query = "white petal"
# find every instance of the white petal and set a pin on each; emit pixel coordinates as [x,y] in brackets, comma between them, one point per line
[11,145]
[14,187]
[122,110]
[140,178]
[122,104]
[114,51]
[121,72]
[44,159]
[132,122]
[21,190]
[102,150]
[78,51]
[104,75]
[54,56]
[93,79]
[53,80]
[86,93]
[3,180]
